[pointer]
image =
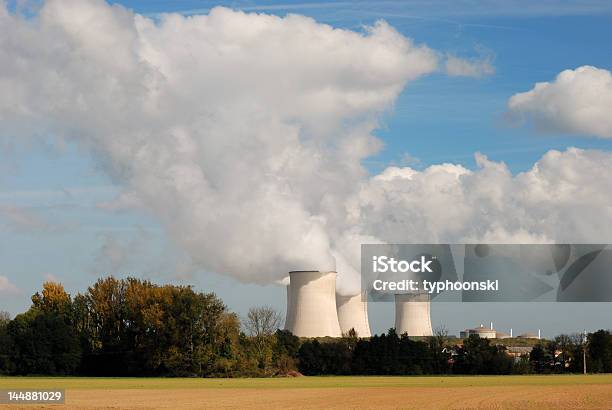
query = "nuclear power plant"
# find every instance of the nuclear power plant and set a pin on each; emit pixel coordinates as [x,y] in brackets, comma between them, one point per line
[314,309]
[353,314]
[311,304]
[412,314]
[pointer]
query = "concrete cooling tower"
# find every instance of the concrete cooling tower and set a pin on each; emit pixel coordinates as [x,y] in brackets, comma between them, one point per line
[412,314]
[289,316]
[311,304]
[353,314]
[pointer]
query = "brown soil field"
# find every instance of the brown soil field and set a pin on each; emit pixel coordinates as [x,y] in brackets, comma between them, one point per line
[453,392]
[497,397]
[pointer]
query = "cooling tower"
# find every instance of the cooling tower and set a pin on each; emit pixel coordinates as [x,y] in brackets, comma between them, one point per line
[412,314]
[311,304]
[353,314]
[289,317]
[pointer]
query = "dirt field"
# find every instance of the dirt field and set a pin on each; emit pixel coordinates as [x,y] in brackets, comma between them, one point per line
[502,392]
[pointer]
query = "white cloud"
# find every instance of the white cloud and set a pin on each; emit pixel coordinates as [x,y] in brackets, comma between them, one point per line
[21,219]
[564,197]
[476,67]
[6,287]
[577,102]
[237,131]
[243,134]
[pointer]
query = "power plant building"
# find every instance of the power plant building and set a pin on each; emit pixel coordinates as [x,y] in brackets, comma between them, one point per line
[412,314]
[481,331]
[315,310]
[491,333]
[353,314]
[311,304]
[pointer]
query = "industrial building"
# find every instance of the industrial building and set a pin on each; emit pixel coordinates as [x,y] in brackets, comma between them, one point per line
[412,314]
[529,335]
[480,331]
[311,304]
[353,314]
[491,333]
[315,310]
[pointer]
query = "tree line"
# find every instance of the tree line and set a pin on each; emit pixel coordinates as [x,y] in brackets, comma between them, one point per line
[133,327]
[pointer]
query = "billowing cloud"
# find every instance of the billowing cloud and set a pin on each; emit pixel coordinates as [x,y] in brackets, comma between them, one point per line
[243,134]
[562,198]
[476,67]
[577,102]
[7,287]
[240,132]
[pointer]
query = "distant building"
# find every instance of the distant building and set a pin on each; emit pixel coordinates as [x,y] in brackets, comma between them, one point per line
[490,333]
[481,331]
[529,335]
[502,335]
[518,351]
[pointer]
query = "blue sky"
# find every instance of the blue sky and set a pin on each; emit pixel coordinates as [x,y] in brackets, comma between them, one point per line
[436,119]
[447,119]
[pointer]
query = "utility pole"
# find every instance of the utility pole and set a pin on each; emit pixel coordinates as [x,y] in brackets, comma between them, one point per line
[584,346]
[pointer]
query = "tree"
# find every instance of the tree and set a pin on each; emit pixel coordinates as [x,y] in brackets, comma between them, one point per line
[261,323]
[540,358]
[286,351]
[135,327]
[43,339]
[6,345]
[478,356]
[5,318]
[600,351]
[437,346]
[565,352]
[44,344]
[54,299]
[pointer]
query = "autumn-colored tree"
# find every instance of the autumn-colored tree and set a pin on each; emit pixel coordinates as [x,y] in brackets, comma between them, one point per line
[134,326]
[43,340]
[52,299]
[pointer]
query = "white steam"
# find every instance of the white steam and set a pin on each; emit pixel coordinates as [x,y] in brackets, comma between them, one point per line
[244,135]
[239,132]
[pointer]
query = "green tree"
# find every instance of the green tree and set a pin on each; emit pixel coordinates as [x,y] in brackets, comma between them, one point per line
[541,359]
[43,339]
[438,346]
[7,354]
[45,344]
[286,349]
[478,356]
[261,323]
[135,327]
[600,352]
